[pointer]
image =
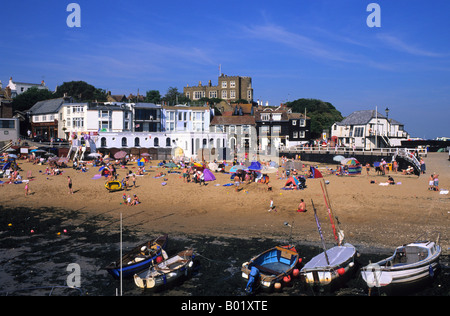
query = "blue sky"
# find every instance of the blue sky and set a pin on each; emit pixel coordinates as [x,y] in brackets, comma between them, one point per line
[291,49]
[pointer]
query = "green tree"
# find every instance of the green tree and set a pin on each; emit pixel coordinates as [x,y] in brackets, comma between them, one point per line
[81,91]
[26,100]
[174,97]
[153,96]
[322,114]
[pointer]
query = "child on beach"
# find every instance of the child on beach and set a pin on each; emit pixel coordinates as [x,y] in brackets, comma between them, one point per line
[27,189]
[301,207]
[272,207]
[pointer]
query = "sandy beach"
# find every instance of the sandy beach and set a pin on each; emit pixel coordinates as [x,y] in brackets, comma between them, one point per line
[371,215]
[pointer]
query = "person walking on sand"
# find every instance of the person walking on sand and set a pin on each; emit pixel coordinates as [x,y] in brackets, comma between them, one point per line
[69,182]
[27,189]
[272,207]
[301,207]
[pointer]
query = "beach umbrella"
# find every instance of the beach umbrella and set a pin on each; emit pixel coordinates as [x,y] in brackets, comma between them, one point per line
[213,166]
[94,155]
[234,169]
[338,158]
[120,154]
[12,156]
[349,161]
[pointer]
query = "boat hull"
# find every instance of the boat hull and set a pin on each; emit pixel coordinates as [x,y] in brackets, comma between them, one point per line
[341,266]
[392,272]
[274,269]
[130,266]
[166,273]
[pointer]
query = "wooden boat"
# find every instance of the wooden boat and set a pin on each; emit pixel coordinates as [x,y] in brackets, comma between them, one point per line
[139,258]
[328,267]
[166,272]
[334,266]
[270,269]
[409,264]
[114,185]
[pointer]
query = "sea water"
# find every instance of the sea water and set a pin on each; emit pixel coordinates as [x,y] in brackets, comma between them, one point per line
[38,247]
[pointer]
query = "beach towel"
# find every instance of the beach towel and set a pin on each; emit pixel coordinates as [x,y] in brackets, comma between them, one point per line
[163,183]
[97,176]
[287,189]
[228,184]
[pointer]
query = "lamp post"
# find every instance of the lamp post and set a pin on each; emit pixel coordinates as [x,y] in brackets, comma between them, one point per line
[387,119]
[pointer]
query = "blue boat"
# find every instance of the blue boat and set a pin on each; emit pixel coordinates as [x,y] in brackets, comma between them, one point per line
[139,258]
[271,269]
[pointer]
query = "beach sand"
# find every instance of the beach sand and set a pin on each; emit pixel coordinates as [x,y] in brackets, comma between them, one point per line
[371,215]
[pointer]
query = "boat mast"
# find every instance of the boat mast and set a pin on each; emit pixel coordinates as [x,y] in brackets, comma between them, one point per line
[320,233]
[330,212]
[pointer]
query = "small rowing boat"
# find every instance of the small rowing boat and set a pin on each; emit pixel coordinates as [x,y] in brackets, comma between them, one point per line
[139,258]
[271,269]
[166,272]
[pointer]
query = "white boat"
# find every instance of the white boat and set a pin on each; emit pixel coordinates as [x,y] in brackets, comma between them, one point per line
[410,263]
[167,271]
[333,264]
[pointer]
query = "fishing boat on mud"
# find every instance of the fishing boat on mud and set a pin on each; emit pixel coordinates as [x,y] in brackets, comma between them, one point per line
[139,258]
[410,264]
[271,269]
[167,272]
[333,267]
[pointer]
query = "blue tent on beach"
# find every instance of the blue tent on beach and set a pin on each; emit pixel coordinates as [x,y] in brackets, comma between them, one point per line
[254,166]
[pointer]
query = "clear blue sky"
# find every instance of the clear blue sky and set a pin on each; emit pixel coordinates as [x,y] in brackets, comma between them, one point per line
[292,49]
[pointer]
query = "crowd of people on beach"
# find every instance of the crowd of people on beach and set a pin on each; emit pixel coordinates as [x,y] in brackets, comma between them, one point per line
[190,173]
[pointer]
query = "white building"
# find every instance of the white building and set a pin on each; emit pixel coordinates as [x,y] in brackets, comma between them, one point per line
[368,129]
[9,129]
[20,87]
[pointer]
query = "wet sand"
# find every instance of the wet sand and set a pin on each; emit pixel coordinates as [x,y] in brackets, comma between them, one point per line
[371,215]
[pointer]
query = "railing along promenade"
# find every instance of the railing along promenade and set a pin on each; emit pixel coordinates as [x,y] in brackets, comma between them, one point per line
[351,151]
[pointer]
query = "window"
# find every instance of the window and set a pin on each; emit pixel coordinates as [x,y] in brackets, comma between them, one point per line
[6,123]
[232,129]
[232,94]
[249,94]
[245,129]
[359,132]
[212,94]
[156,142]
[224,94]
[232,84]
[294,122]
[168,142]
[124,142]
[103,142]
[219,129]
[224,84]
[295,135]
[265,117]
[301,134]
[302,122]
[198,95]
[78,122]
[264,130]
[276,130]
[77,109]
[136,142]
[188,95]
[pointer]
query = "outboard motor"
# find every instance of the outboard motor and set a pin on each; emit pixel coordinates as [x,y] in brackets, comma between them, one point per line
[254,273]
